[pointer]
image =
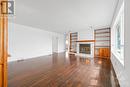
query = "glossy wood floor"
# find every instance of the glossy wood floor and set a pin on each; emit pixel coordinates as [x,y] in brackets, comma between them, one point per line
[61,70]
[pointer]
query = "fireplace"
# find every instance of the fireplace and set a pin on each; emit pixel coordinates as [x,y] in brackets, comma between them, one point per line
[84,48]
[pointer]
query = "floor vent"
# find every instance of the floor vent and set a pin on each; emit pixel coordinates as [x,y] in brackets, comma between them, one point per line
[20,60]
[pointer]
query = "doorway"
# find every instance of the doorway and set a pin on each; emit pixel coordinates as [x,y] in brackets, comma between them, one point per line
[54,44]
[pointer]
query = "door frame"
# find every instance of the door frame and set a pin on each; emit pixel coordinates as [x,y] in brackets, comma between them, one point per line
[3,48]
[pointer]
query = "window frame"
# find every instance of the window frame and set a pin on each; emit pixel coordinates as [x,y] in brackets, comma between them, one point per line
[119,22]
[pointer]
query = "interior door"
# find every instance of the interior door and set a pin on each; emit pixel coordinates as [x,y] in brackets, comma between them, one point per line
[3,49]
[54,44]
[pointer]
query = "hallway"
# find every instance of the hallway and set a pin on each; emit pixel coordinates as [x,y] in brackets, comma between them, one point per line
[62,70]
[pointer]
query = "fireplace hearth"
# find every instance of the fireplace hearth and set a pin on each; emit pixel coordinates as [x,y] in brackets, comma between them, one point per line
[84,48]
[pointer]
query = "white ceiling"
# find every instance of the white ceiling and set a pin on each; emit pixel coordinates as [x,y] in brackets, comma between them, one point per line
[65,15]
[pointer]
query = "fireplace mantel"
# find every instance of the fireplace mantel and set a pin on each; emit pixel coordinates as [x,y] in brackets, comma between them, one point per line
[85,41]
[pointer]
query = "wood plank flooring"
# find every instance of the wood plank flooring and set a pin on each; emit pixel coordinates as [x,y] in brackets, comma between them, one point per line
[61,70]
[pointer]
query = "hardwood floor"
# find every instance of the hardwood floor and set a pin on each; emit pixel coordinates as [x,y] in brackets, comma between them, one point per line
[61,70]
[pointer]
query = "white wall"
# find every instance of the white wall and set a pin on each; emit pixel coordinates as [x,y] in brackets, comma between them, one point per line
[120,69]
[127,40]
[27,42]
[88,34]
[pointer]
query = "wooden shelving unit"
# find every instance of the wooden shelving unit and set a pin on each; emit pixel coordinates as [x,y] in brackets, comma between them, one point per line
[73,43]
[102,43]
[85,41]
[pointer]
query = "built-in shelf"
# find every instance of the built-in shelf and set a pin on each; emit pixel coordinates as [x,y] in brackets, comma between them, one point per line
[101,32]
[102,36]
[101,29]
[102,46]
[73,43]
[101,40]
[85,41]
[102,43]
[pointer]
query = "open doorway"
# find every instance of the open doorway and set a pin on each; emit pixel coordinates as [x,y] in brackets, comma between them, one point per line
[54,44]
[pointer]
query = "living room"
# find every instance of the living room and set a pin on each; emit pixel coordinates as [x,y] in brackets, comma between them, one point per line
[63,43]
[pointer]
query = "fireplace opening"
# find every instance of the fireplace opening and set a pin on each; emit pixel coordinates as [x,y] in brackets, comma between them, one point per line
[85,48]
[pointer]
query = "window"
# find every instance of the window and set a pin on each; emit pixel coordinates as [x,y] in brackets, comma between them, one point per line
[119,35]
